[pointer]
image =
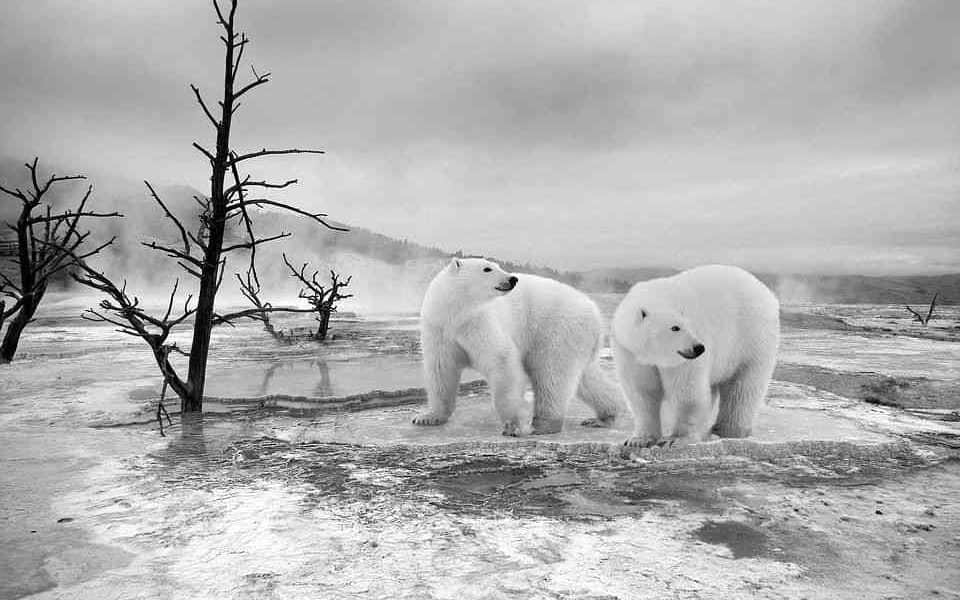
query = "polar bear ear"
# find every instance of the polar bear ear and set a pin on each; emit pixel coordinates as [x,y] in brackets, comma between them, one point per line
[455,263]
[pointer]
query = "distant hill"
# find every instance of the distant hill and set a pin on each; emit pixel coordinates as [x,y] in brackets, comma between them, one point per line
[385,264]
[799,288]
[861,289]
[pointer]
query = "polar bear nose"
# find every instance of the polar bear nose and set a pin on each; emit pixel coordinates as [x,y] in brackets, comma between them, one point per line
[698,350]
[513,281]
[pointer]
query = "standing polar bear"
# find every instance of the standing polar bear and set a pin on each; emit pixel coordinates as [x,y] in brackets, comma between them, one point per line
[701,345]
[476,315]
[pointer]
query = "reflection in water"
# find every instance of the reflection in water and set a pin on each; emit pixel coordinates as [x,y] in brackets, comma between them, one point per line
[322,389]
[186,456]
[191,439]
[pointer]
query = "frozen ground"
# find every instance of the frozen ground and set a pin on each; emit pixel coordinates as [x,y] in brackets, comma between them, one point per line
[301,483]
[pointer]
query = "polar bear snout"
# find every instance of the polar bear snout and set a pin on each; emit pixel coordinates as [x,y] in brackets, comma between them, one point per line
[693,352]
[508,284]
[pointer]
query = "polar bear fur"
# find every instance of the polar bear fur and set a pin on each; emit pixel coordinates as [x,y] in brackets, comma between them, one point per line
[511,329]
[696,350]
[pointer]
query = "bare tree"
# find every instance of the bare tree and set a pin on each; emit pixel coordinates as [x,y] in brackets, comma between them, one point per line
[48,243]
[203,255]
[323,300]
[924,319]
[250,288]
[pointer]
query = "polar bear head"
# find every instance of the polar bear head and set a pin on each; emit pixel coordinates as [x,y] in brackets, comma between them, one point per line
[464,284]
[660,337]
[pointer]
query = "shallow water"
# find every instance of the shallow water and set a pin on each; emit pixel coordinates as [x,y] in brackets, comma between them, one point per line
[383,353]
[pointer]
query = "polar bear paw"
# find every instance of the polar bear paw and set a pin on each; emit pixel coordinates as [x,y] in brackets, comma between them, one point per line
[678,442]
[514,429]
[429,418]
[602,422]
[642,441]
[684,440]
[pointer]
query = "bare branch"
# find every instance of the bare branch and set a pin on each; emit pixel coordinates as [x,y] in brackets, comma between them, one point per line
[265,152]
[71,215]
[16,193]
[933,303]
[259,184]
[253,244]
[4,314]
[255,314]
[205,152]
[260,202]
[173,253]
[166,211]
[193,272]
[132,320]
[8,284]
[64,252]
[258,81]
[38,190]
[203,105]
[221,20]
[239,57]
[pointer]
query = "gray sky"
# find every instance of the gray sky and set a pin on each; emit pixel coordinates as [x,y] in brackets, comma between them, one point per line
[794,136]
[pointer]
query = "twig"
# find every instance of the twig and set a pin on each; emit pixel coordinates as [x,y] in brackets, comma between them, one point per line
[163,409]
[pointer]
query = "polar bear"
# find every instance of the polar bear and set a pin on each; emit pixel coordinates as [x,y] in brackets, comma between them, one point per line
[697,350]
[510,329]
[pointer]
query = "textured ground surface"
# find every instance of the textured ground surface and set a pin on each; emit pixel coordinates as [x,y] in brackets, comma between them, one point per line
[283,497]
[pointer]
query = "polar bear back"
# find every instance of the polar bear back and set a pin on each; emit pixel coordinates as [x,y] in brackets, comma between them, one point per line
[544,314]
[735,316]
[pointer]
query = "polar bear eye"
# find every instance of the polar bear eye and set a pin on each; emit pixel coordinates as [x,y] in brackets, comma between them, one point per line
[674,328]
[487,269]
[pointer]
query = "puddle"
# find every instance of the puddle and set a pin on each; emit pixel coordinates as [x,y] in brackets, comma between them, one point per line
[743,540]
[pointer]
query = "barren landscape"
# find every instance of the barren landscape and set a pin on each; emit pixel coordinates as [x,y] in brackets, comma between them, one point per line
[221,224]
[304,478]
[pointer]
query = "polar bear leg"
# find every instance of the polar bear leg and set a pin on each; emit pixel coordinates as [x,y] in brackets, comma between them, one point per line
[442,367]
[507,381]
[687,389]
[741,398]
[551,395]
[600,394]
[644,392]
[441,397]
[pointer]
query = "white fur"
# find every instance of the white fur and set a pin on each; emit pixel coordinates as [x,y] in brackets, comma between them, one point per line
[542,330]
[733,315]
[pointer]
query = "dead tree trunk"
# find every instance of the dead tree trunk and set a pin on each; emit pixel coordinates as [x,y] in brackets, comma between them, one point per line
[924,319]
[32,291]
[203,255]
[324,325]
[47,244]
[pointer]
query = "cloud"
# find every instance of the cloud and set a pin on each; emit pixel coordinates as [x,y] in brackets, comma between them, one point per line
[569,133]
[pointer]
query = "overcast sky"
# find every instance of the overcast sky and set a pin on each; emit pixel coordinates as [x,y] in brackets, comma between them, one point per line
[796,136]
